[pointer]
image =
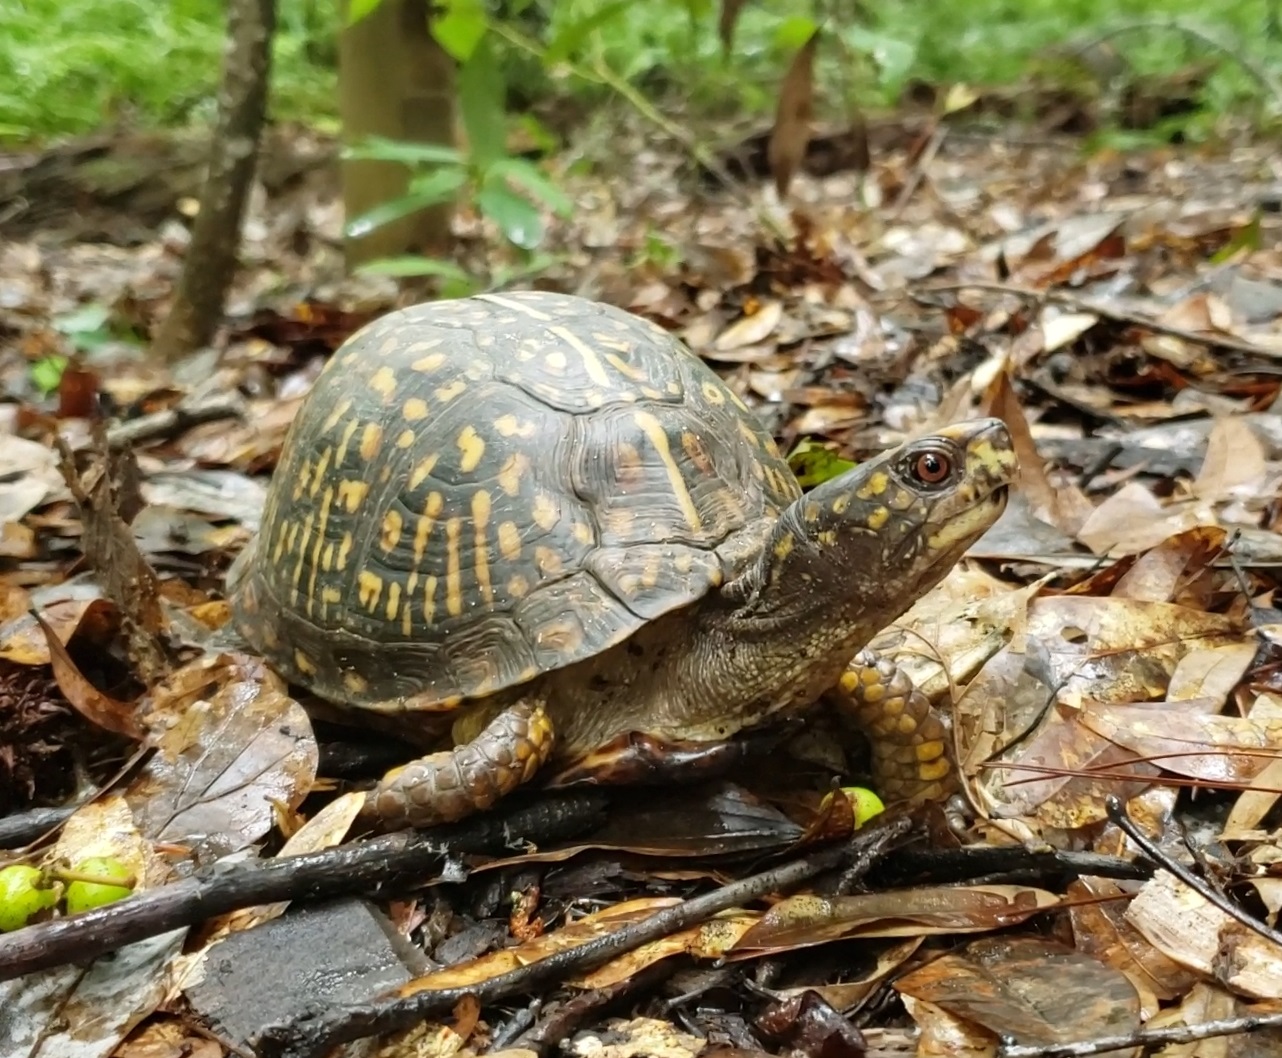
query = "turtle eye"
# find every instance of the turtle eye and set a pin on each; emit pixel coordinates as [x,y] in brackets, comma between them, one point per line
[932,467]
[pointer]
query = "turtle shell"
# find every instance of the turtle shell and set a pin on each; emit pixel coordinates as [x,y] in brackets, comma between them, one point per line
[479,491]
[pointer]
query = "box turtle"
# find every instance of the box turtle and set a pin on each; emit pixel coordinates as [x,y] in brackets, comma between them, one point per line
[545,523]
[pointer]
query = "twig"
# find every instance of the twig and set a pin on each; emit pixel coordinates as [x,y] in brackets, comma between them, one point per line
[316,1032]
[924,160]
[1143,1038]
[1118,817]
[393,859]
[1081,304]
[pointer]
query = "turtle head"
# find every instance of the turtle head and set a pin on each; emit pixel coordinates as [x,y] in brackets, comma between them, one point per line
[867,544]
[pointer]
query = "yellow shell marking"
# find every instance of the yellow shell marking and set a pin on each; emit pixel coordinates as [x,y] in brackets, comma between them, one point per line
[337,414]
[304,476]
[481,559]
[517,586]
[431,509]
[279,551]
[653,429]
[450,390]
[556,361]
[429,599]
[875,485]
[509,541]
[383,381]
[622,366]
[393,599]
[327,557]
[544,511]
[331,596]
[371,438]
[878,518]
[407,619]
[423,470]
[548,561]
[471,448]
[349,431]
[302,547]
[827,537]
[392,525]
[415,409]
[749,435]
[453,581]
[344,550]
[352,493]
[582,532]
[737,401]
[713,393]
[511,426]
[515,306]
[650,573]
[684,562]
[513,469]
[326,500]
[591,362]
[810,512]
[405,439]
[369,588]
[431,362]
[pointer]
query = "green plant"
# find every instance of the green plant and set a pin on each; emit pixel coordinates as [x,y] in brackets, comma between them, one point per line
[510,192]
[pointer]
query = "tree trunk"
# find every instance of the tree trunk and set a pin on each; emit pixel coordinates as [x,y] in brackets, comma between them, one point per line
[211,262]
[394,81]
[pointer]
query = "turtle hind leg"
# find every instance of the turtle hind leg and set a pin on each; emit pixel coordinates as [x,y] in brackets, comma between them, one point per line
[472,777]
[908,738]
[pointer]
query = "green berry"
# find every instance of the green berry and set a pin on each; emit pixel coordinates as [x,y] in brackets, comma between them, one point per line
[22,895]
[865,803]
[102,880]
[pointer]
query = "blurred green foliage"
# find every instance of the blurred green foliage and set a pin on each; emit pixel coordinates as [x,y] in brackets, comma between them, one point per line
[69,66]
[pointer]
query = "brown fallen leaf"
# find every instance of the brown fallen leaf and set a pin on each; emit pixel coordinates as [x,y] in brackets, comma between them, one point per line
[94,705]
[1029,989]
[792,128]
[801,921]
[231,744]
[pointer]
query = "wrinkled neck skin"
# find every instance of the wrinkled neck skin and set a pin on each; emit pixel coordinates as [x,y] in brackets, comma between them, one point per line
[792,626]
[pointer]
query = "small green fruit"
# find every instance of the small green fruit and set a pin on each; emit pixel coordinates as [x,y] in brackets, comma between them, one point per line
[102,880]
[22,895]
[865,803]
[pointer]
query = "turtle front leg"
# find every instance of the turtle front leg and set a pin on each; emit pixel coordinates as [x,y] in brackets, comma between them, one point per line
[447,786]
[909,740]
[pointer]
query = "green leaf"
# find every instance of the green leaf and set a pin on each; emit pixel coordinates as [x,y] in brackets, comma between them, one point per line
[814,464]
[516,217]
[430,189]
[793,32]
[481,103]
[46,373]
[461,27]
[358,9]
[1245,238]
[570,38]
[412,265]
[530,178]
[377,149]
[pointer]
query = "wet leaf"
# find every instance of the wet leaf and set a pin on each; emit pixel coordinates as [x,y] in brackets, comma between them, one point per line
[231,745]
